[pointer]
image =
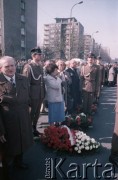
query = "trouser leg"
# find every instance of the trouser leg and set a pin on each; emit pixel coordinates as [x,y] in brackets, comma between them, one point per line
[90,102]
[6,159]
[85,101]
[114,143]
[114,148]
[18,159]
[35,111]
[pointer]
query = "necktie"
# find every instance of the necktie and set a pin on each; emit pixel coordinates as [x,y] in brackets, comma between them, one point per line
[12,82]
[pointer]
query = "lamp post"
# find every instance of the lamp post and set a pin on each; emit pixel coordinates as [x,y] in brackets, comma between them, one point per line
[99,50]
[91,49]
[70,27]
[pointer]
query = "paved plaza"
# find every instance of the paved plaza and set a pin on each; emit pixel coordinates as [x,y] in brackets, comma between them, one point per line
[102,131]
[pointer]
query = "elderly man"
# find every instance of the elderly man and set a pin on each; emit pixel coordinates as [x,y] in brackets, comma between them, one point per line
[75,91]
[34,72]
[15,124]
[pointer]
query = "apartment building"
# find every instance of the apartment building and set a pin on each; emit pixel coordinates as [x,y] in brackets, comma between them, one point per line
[87,45]
[18,27]
[64,38]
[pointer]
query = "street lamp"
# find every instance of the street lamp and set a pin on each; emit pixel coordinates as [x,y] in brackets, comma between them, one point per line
[99,50]
[73,7]
[70,27]
[92,40]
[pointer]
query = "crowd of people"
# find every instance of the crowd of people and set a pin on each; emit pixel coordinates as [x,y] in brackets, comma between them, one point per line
[63,86]
[76,80]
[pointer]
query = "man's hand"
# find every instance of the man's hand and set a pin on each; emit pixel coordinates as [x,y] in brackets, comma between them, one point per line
[2,139]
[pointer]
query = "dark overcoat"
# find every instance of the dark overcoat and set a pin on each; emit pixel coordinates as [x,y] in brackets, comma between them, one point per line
[15,121]
[74,86]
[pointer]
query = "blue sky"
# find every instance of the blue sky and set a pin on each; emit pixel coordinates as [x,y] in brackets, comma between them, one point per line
[94,15]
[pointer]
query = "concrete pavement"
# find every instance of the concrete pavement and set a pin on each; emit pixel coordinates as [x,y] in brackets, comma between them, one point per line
[43,161]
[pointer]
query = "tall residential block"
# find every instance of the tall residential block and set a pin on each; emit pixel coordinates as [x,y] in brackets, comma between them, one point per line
[64,37]
[87,45]
[18,27]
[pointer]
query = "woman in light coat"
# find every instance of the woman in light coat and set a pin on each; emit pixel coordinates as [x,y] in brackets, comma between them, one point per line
[54,95]
[111,75]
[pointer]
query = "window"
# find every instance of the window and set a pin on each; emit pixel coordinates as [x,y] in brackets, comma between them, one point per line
[22,31]
[22,5]
[22,43]
[22,18]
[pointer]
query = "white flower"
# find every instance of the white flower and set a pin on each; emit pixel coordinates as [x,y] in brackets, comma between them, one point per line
[77,144]
[91,147]
[82,114]
[79,151]
[77,117]
[83,139]
[88,138]
[76,148]
[77,133]
[83,142]
[79,137]
[87,147]
[80,142]
[77,140]
[81,133]
[93,140]
[82,147]
[87,143]
[96,146]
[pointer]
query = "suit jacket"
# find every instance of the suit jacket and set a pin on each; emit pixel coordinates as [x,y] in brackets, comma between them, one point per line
[36,81]
[101,74]
[75,85]
[90,78]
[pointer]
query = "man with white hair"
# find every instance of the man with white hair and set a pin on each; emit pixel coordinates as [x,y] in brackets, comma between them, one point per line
[15,124]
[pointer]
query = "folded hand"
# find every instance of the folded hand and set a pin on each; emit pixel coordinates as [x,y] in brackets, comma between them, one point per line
[2,139]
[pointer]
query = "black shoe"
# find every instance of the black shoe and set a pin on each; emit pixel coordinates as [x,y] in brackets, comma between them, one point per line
[113,161]
[4,174]
[21,166]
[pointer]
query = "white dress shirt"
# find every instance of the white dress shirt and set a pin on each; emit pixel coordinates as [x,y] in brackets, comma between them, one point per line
[9,79]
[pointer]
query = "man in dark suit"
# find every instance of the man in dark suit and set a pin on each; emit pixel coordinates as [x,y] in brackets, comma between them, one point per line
[75,93]
[113,158]
[34,72]
[15,123]
[101,76]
